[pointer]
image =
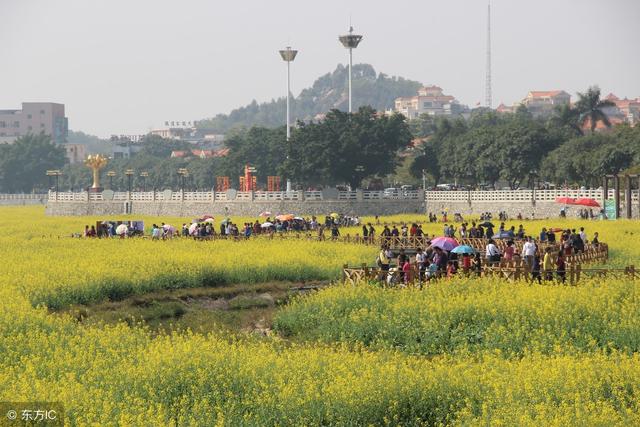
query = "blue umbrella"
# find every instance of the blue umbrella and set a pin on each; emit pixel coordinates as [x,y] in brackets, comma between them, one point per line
[464,249]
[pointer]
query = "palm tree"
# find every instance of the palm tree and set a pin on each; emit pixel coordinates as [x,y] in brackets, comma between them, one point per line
[567,117]
[590,108]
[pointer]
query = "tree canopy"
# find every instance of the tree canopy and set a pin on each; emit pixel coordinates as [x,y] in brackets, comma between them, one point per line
[23,164]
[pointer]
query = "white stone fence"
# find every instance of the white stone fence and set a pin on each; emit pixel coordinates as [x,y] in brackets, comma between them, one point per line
[233,195]
[19,197]
[505,196]
[519,195]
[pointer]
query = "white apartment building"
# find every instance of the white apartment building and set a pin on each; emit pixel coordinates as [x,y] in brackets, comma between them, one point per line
[430,100]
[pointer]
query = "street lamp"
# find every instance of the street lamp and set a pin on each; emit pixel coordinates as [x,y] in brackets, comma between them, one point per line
[350,41]
[129,173]
[183,172]
[111,174]
[359,170]
[288,55]
[144,176]
[57,173]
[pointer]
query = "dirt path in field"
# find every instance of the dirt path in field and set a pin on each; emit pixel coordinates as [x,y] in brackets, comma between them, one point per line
[235,308]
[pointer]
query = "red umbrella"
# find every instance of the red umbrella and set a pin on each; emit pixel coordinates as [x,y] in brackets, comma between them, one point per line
[587,202]
[566,200]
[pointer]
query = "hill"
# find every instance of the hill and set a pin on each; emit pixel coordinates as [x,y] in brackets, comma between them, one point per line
[327,92]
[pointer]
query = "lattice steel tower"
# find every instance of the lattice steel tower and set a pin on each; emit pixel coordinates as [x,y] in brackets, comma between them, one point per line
[487,94]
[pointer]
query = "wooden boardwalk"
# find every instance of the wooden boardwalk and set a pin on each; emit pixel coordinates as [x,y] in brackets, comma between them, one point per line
[509,270]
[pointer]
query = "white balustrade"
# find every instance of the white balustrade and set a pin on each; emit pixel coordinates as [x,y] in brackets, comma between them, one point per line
[500,196]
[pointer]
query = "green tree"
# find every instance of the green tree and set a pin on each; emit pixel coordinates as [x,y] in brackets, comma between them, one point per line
[567,118]
[590,108]
[346,148]
[23,164]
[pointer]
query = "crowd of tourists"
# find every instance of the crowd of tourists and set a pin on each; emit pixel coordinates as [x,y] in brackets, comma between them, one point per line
[326,227]
[543,257]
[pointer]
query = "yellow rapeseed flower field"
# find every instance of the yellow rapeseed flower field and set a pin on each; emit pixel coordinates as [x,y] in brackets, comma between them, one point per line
[462,353]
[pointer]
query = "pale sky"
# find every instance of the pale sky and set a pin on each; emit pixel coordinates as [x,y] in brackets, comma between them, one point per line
[125,66]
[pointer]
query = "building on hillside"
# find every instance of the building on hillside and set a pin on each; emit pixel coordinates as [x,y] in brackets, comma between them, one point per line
[429,100]
[543,103]
[76,153]
[123,149]
[34,118]
[203,154]
[627,110]
[506,109]
[600,127]
[187,131]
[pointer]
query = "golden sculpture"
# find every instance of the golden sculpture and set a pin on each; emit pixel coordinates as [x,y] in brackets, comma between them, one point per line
[96,162]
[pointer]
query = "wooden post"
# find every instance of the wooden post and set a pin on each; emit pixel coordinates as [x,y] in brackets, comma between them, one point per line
[628,206]
[572,274]
[616,194]
[366,271]
[577,273]
[344,273]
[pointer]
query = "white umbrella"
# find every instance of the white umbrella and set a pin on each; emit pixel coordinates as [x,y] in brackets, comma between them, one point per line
[266,225]
[192,228]
[298,218]
[265,214]
[122,229]
[209,220]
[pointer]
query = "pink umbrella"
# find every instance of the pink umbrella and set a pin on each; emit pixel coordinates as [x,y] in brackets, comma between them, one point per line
[444,243]
[265,214]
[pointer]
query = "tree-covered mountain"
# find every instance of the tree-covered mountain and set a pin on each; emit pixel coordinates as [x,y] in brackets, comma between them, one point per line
[328,92]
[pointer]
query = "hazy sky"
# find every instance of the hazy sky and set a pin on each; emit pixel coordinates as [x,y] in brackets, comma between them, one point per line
[125,66]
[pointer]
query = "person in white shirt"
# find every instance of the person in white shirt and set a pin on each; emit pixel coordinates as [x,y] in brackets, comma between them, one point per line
[492,252]
[583,235]
[529,253]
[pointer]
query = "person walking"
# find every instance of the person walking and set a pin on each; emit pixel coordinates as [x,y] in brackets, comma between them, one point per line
[383,263]
[548,264]
[492,252]
[529,253]
[561,270]
[421,263]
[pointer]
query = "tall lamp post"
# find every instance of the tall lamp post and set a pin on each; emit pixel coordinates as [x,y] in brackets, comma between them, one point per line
[350,41]
[129,173]
[144,176]
[288,55]
[111,174]
[57,173]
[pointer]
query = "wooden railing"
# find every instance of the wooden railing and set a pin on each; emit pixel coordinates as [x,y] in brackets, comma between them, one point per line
[573,274]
